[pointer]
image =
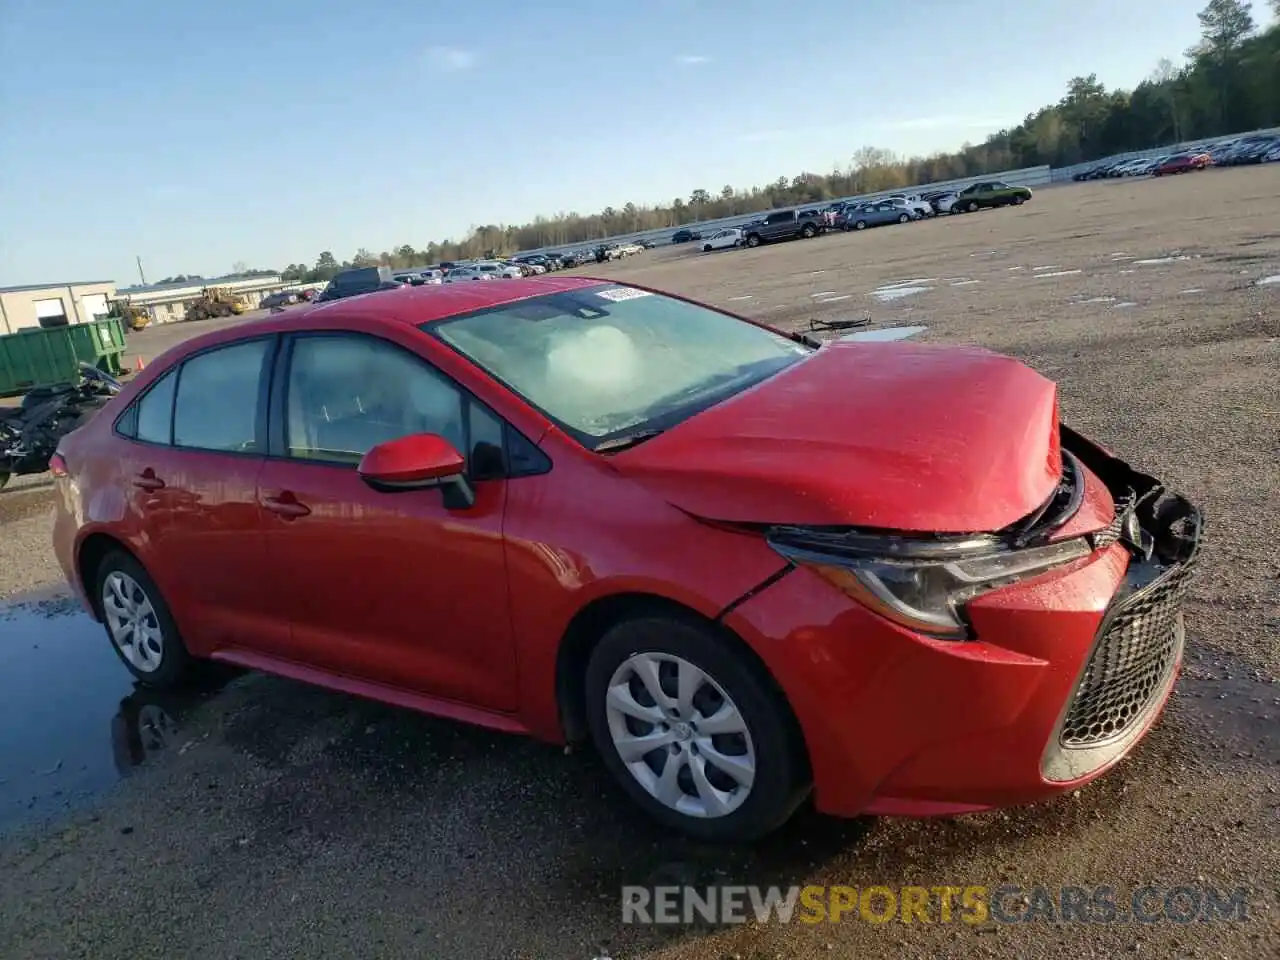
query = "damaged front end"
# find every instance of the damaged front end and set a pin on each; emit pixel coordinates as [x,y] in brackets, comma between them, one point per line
[923,582]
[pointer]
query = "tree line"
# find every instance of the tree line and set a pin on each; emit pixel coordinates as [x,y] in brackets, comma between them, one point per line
[1229,82]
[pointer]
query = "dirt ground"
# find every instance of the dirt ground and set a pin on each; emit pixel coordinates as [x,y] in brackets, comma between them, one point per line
[291,822]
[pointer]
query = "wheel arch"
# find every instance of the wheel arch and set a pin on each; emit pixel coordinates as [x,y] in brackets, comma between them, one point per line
[90,553]
[596,618]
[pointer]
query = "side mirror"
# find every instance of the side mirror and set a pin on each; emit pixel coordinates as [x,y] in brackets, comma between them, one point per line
[419,461]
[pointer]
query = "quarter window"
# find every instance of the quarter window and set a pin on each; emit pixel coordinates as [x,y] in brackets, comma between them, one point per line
[217,404]
[346,395]
[155,411]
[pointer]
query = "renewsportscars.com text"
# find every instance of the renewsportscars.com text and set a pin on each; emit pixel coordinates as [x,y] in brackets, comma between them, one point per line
[972,904]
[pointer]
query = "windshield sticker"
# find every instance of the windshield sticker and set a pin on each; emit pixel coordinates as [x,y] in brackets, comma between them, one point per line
[618,294]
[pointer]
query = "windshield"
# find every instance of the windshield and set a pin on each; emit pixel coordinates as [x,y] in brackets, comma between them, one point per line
[608,361]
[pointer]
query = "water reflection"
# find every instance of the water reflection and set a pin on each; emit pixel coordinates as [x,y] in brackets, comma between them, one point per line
[71,720]
[885,334]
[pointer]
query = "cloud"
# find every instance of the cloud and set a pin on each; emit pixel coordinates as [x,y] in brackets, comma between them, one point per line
[692,59]
[451,59]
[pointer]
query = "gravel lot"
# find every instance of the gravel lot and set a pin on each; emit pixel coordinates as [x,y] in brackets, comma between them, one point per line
[289,822]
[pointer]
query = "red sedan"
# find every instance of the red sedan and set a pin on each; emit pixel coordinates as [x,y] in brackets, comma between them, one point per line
[747,567]
[1182,163]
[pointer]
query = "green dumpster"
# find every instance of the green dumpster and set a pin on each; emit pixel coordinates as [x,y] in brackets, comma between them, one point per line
[44,356]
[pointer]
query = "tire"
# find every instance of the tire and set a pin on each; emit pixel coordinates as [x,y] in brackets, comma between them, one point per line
[160,659]
[768,746]
[904,218]
[753,240]
[973,206]
[4,478]
[808,232]
[1018,200]
[860,225]
[706,248]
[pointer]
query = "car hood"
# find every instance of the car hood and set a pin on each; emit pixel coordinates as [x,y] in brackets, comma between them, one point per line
[893,436]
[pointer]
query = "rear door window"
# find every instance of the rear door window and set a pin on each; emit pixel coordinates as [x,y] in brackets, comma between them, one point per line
[155,411]
[217,406]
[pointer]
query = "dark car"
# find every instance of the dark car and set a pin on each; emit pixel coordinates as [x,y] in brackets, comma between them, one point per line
[784,225]
[352,283]
[990,193]
[280,299]
[684,236]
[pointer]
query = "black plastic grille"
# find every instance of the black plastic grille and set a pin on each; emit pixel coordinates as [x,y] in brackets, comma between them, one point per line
[1131,662]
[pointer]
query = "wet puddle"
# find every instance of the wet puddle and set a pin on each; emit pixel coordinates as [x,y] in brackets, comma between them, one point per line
[1237,703]
[884,335]
[887,294]
[1157,260]
[71,720]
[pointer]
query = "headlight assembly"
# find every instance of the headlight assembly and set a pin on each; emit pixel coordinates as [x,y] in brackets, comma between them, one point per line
[921,585]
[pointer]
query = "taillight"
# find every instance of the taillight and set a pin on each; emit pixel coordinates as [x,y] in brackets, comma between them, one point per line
[58,466]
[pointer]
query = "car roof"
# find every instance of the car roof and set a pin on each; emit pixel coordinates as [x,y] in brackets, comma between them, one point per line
[409,306]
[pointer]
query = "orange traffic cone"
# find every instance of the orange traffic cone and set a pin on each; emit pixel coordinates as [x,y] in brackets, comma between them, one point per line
[138,364]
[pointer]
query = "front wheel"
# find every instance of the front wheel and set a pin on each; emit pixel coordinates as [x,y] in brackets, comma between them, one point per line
[706,248]
[973,206]
[1018,201]
[753,241]
[139,625]
[860,225]
[904,218]
[4,478]
[692,734]
[809,232]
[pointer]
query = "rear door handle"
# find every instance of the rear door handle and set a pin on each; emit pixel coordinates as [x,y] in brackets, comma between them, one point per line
[286,506]
[148,480]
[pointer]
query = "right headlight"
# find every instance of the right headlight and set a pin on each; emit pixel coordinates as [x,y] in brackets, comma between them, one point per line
[924,585]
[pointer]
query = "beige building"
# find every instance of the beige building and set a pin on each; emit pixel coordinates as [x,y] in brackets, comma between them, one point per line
[167,302]
[53,304]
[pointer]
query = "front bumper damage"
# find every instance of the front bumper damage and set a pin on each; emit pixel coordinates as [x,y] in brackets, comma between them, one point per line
[1137,652]
[1061,675]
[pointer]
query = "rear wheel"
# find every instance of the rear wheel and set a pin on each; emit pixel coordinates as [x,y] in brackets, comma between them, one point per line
[4,478]
[139,625]
[860,225]
[904,218]
[753,240]
[706,248]
[809,231]
[973,206]
[692,734]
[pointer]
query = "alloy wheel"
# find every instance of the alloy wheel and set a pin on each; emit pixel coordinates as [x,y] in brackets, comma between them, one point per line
[680,735]
[132,622]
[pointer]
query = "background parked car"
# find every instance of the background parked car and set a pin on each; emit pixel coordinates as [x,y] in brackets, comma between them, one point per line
[878,214]
[990,193]
[913,202]
[723,239]
[1182,163]
[685,235]
[944,202]
[783,225]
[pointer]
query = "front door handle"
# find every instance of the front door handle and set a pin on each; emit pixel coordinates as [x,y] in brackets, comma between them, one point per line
[286,506]
[147,480]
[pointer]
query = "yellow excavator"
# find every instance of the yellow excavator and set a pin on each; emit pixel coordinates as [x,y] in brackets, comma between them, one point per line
[214,302]
[134,317]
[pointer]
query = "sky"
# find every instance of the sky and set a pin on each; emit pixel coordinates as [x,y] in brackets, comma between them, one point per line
[197,135]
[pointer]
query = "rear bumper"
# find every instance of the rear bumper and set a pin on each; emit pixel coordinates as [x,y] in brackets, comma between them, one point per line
[1068,672]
